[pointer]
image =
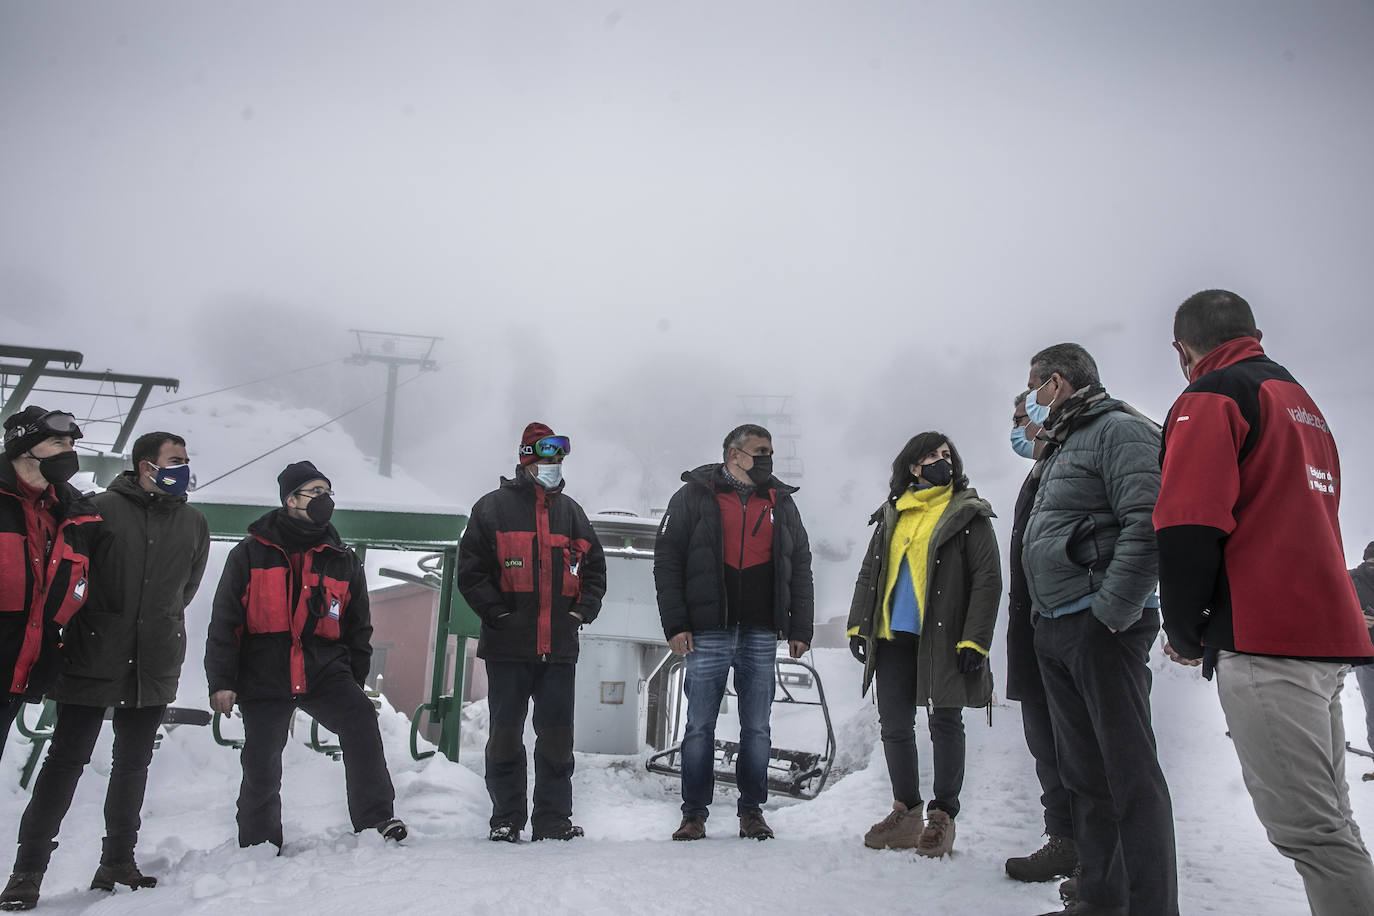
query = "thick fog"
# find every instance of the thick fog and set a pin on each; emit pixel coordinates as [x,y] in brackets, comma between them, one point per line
[622,219]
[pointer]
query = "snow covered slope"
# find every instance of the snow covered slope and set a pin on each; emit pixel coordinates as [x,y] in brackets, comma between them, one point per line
[627,864]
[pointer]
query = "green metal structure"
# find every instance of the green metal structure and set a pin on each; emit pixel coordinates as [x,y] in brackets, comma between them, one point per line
[380,529]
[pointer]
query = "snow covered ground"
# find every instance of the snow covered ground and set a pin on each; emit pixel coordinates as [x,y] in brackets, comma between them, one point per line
[627,864]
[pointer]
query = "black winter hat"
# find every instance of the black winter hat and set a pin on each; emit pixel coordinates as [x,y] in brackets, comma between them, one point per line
[1369,551]
[302,472]
[23,430]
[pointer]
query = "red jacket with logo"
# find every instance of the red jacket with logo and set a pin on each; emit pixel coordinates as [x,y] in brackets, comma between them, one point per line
[286,620]
[527,559]
[40,587]
[1250,555]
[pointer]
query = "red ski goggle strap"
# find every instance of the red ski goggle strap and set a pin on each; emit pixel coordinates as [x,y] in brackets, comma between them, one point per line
[52,423]
[548,447]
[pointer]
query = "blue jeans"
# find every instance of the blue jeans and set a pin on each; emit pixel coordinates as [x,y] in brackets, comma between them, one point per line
[750,652]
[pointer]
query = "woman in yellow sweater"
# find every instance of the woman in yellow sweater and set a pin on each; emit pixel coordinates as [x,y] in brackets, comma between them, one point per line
[921,622]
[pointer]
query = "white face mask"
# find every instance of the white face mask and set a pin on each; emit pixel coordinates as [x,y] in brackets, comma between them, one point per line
[548,475]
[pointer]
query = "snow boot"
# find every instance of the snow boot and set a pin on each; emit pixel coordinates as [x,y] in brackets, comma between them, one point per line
[21,893]
[126,873]
[570,832]
[901,829]
[1068,890]
[752,826]
[691,828]
[1056,859]
[938,838]
[394,830]
[504,833]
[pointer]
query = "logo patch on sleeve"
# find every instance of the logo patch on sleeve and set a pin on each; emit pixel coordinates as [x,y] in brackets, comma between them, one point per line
[515,562]
[334,609]
[79,592]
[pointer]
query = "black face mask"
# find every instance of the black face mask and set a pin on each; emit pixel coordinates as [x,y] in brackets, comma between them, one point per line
[58,468]
[320,509]
[762,471]
[938,473]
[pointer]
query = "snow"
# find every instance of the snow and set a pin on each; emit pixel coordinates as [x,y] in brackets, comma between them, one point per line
[627,862]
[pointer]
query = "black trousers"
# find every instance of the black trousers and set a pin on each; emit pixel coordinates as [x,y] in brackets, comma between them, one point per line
[1038,728]
[73,740]
[895,676]
[1098,686]
[339,705]
[9,710]
[510,687]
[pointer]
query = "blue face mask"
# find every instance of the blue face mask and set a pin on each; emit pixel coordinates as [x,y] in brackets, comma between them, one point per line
[172,480]
[1020,444]
[1038,413]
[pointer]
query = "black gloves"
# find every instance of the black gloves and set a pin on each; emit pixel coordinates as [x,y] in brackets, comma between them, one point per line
[971,660]
[859,649]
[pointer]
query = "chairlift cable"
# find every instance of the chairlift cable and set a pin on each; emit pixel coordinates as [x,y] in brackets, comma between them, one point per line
[278,448]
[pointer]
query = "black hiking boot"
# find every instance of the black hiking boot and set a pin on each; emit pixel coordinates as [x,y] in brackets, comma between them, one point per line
[126,873]
[21,893]
[570,832]
[1056,859]
[504,833]
[394,830]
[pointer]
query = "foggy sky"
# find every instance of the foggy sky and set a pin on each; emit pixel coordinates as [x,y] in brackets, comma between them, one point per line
[622,217]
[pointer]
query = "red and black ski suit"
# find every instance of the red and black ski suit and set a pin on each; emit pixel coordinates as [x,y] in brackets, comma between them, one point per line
[45,540]
[284,621]
[528,559]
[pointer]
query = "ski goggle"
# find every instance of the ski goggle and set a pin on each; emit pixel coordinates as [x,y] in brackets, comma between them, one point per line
[548,447]
[52,423]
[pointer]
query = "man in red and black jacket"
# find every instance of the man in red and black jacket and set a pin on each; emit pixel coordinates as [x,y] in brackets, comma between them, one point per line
[732,569]
[291,628]
[531,567]
[46,531]
[1253,583]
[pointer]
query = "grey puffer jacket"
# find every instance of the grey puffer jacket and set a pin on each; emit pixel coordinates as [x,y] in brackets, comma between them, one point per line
[1090,530]
[964,589]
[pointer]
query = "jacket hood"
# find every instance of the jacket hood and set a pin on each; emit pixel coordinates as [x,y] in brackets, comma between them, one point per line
[707,475]
[126,484]
[268,528]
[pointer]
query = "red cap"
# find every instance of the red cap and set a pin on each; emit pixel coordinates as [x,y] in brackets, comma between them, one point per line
[533,433]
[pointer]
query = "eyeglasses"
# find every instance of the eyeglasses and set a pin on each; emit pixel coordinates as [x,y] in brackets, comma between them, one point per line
[548,447]
[313,493]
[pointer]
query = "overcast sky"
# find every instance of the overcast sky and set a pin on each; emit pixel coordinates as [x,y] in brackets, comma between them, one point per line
[620,218]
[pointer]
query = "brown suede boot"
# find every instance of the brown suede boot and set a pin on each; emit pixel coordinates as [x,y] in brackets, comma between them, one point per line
[691,828]
[901,829]
[938,837]
[752,826]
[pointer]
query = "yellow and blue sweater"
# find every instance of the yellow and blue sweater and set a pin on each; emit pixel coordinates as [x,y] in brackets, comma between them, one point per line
[904,592]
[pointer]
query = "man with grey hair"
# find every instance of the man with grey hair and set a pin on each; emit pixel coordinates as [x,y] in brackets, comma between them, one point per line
[1252,569]
[732,565]
[1091,563]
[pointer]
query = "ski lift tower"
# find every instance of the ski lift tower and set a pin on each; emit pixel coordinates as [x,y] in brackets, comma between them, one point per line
[394,351]
[774,412]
